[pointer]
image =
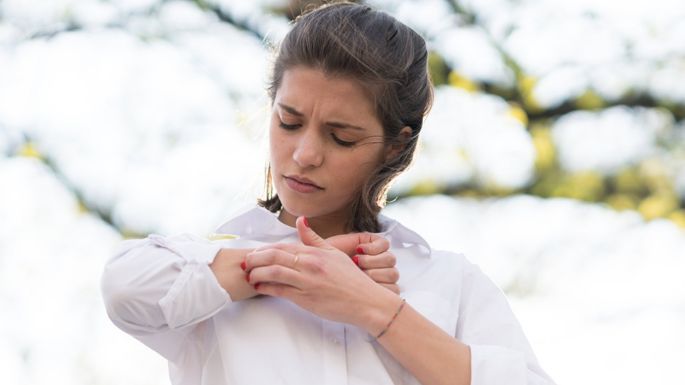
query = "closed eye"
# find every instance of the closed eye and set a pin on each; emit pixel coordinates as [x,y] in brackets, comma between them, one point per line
[289,126]
[292,127]
[341,142]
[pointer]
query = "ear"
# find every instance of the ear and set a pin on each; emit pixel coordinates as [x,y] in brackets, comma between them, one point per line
[395,148]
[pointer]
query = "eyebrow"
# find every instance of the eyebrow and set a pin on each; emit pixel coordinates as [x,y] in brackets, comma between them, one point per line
[295,112]
[290,110]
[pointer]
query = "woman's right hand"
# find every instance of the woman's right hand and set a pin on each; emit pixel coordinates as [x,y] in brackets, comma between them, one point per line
[371,253]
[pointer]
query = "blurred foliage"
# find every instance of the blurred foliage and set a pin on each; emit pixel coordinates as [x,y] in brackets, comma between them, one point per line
[658,205]
[525,85]
[546,155]
[645,187]
[590,100]
[437,68]
[455,79]
[586,185]
[28,149]
[518,113]
[678,217]
[427,187]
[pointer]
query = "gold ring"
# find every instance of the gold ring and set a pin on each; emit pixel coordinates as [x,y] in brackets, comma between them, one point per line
[297,258]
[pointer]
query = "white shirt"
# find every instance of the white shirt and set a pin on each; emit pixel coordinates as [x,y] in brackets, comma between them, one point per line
[161,291]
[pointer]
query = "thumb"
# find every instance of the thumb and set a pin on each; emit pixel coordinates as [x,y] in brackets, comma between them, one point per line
[308,236]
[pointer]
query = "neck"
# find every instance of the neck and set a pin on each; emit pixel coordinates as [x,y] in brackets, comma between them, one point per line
[326,225]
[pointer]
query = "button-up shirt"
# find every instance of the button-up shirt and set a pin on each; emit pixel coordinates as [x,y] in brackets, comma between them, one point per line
[161,291]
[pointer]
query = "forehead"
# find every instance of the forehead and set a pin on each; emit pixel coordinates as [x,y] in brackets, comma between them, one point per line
[317,94]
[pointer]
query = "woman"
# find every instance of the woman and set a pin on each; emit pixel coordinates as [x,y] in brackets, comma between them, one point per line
[349,92]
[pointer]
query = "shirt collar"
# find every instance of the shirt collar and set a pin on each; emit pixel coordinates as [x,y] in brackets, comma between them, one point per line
[260,224]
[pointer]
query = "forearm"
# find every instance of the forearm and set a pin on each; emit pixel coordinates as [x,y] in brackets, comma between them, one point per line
[431,355]
[228,272]
[159,283]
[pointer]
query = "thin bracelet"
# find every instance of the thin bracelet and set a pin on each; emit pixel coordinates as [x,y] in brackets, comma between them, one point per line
[393,319]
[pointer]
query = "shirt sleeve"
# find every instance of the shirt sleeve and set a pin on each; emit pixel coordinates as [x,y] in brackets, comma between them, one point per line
[160,289]
[500,352]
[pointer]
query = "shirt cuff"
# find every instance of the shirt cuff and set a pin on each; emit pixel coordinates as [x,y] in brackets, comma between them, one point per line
[195,294]
[494,365]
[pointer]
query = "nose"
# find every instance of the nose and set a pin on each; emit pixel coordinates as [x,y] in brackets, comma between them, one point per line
[309,149]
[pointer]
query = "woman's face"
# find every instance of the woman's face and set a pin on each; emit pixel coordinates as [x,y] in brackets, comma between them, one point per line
[325,140]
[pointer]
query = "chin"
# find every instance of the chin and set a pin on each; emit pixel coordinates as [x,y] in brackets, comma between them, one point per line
[299,208]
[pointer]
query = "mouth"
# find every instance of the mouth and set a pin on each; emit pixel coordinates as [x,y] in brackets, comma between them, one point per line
[301,184]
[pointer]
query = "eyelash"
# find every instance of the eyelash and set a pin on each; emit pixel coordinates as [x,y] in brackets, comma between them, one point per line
[344,143]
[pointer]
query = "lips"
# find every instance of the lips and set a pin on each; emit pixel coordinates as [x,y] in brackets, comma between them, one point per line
[303,180]
[301,184]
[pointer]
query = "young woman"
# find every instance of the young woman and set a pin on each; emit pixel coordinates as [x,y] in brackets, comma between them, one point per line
[309,293]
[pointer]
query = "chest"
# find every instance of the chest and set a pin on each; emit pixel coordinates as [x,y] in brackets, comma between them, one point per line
[272,340]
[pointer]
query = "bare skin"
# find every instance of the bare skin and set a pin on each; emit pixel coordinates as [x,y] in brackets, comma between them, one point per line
[325,282]
[325,142]
[376,261]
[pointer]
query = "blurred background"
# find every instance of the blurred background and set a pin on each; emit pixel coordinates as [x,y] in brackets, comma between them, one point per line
[554,157]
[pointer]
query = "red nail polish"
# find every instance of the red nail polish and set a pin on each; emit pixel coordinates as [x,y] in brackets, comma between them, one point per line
[355,259]
[360,250]
[243,265]
[256,286]
[305,222]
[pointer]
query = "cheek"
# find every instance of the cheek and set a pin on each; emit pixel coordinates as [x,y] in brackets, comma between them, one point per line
[276,145]
[354,174]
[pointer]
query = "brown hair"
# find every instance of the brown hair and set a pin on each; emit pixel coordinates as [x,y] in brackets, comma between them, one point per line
[387,58]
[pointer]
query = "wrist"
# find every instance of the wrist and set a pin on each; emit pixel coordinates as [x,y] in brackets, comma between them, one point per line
[380,311]
[230,275]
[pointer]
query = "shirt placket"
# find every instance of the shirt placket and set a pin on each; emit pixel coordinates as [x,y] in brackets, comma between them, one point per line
[334,356]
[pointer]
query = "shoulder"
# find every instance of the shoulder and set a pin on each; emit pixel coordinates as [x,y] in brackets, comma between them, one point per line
[456,261]
[470,276]
[451,265]
[403,236]
[417,255]
[456,267]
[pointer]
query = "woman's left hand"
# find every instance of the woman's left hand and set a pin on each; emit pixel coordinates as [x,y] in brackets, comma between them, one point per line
[316,276]
[371,252]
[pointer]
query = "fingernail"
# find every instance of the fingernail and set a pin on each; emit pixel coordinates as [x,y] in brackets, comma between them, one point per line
[305,222]
[243,265]
[247,277]
[256,286]
[355,259]
[360,250]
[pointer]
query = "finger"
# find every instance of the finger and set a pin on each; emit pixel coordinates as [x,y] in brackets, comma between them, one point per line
[308,236]
[271,257]
[365,237]
[382,260]
[289,247]
[276,289]
[376,246]
[388,275]
[392,287]
[347,243]
[274,274]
